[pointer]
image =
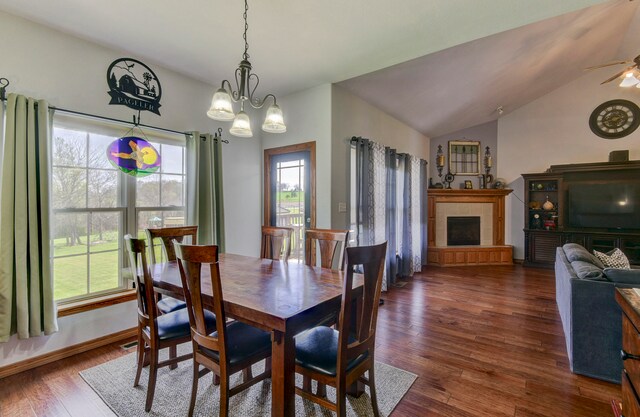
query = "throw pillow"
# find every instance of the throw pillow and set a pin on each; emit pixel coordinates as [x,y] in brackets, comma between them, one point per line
[575,252]
[613,259]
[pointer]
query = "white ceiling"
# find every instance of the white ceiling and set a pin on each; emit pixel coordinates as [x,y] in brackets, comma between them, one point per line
[298,44]
[463,86]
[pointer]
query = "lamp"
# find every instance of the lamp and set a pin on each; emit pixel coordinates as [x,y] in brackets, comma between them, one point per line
[439,161]
[629,80]
[246,84]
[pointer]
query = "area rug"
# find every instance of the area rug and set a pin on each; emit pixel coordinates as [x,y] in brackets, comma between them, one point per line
[113,382]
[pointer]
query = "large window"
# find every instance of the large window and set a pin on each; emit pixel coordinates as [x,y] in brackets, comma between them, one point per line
[95,205]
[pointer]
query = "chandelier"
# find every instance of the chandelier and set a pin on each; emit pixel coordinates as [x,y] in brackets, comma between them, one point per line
[246,84]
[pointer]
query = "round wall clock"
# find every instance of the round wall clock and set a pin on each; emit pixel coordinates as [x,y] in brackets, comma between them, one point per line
[615,119]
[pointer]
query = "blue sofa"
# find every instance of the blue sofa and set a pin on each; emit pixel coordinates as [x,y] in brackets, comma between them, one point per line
[591,318]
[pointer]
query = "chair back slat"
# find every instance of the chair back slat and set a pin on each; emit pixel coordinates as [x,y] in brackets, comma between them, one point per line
[372,260]
[191,260]
[276,243]
[147,311]
[331,243]
[167,235]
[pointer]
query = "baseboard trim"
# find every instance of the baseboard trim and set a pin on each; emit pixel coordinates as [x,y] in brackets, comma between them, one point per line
[56,355]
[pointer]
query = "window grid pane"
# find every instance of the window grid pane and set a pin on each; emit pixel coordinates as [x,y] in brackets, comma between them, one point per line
[90,203]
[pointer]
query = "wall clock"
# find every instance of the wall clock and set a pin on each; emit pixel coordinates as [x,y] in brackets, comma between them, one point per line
[615,119]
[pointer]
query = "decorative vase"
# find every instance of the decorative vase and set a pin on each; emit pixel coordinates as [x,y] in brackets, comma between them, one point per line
[547,205]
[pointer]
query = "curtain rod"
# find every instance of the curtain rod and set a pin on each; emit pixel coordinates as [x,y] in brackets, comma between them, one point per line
[4,83]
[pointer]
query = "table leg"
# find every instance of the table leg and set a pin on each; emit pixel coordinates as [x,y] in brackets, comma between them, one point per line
[283,394]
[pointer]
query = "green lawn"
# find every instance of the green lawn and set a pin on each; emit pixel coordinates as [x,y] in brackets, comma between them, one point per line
[70,273]
[290,196]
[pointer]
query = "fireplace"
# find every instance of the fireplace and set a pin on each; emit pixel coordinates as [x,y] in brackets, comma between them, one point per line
[463,230]
[488,205]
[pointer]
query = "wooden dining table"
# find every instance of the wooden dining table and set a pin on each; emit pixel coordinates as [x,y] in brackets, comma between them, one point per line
[283,298]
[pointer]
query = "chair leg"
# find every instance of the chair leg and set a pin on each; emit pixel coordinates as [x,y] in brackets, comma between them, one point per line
[194,387]
[341,400]
[372,391]
[247,374]
[267,365]
[141,355]
[306,383]
[224,395]
[321,391]
[153,373]
[216,379]
[173,353]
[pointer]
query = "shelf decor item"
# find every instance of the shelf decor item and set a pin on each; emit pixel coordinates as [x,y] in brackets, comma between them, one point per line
[548,205]
[439,161]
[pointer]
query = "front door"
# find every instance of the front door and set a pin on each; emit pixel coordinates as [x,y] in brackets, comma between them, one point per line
[290,191]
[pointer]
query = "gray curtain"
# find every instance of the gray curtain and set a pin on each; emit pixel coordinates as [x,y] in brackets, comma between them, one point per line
[392,258]
[364,183]
[205,203]
[423,209]
[406,254]
[27,305]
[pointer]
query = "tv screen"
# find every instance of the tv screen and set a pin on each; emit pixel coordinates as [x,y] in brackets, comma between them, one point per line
[604,206]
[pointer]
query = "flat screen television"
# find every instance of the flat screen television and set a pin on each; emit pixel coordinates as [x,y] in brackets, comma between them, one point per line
[604,206]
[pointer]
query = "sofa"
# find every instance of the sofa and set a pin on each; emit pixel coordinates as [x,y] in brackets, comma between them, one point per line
[591,317]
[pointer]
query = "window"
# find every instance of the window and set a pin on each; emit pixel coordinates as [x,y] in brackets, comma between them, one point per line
[94,205]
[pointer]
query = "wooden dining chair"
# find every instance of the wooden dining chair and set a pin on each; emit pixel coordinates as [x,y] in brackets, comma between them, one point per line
[340,357]
[155,331]
[234,346]
[166,235]
[332,243]
[276,242]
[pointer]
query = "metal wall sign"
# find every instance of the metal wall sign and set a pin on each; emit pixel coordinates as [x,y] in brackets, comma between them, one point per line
[133,84]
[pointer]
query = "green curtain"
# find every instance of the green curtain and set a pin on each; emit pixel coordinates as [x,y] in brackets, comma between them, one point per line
[27,305]
[205,203]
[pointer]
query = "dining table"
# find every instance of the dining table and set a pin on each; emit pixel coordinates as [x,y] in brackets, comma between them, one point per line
[283,298]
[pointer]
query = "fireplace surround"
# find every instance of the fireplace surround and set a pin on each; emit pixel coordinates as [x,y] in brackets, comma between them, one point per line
[488,204]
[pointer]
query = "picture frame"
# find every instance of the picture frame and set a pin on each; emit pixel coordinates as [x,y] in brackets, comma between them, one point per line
[468,185]
[464,157]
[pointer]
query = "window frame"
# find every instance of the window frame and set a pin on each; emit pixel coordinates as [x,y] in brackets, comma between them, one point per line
[126,206]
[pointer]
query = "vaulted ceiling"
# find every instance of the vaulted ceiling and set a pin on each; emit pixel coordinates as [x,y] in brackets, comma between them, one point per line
[438,65]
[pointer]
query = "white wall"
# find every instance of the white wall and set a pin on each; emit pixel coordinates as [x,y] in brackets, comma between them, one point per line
[71,73]
[555,130]
[308,118]
[486,134]
[352,116]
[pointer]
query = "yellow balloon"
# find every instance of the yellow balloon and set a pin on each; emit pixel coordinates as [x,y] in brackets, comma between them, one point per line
[149,156]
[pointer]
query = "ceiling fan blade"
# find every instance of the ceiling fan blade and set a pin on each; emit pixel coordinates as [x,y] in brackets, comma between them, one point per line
[607,65]
[618,74]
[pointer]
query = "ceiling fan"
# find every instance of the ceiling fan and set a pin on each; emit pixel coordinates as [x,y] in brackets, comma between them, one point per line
[630,74]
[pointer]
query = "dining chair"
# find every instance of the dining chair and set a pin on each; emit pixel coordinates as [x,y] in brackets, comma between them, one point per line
[233,346]
[276,242]
[332,243]
[340,357]
[166,235]
[155,331]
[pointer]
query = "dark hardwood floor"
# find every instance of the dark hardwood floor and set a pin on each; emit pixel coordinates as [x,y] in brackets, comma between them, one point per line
[484,342]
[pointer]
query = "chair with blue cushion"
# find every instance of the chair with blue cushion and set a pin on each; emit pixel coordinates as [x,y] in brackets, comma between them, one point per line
[155,331]
[340,357]
[276,243]
[233,346]
[167,235]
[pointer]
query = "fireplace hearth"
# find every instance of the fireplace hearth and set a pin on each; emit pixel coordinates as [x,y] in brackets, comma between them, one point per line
[463,230]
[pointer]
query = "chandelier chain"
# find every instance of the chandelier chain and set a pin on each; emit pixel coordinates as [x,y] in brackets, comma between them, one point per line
[245,56]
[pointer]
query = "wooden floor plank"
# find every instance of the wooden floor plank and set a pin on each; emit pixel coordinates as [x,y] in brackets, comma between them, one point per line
[484,341]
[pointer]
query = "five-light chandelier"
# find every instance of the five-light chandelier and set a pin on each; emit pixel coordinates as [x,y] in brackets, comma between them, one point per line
[246,84]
